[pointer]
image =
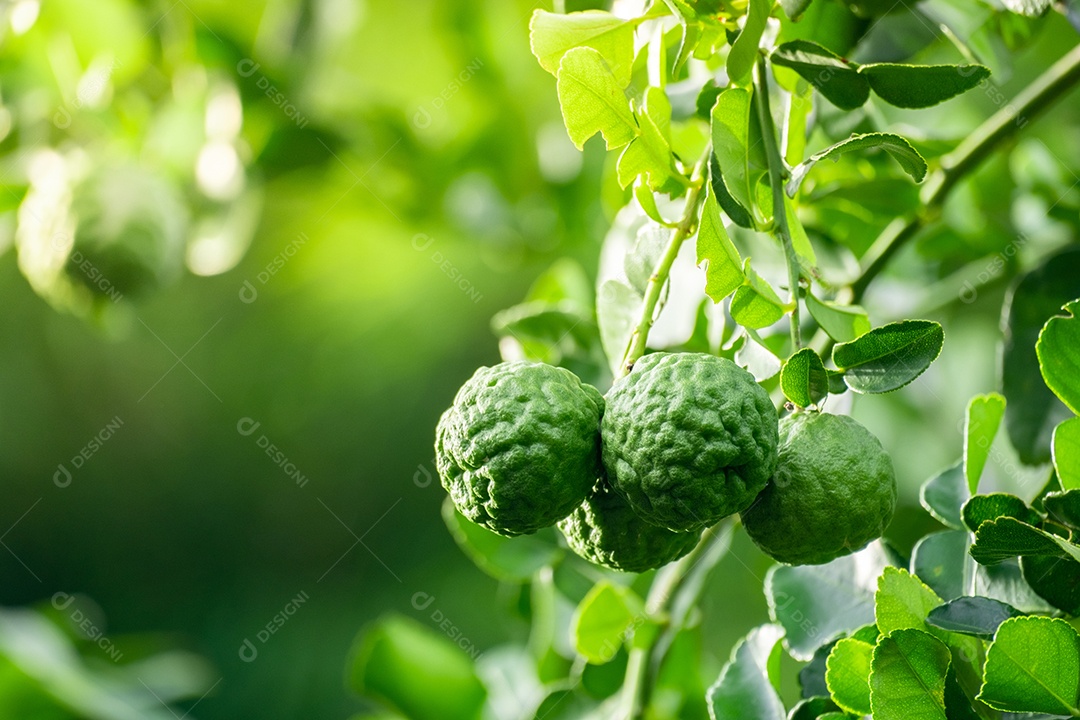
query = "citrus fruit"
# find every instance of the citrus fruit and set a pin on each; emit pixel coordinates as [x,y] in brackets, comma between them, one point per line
[833,492]
[688,439]
[520,447]
[605,530]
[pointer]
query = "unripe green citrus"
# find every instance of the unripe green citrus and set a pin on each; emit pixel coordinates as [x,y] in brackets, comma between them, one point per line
[520,447]
[834,491]
[689,438]
[605,530]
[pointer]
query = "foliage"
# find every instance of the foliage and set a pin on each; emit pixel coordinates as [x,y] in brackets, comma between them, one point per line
[706,108]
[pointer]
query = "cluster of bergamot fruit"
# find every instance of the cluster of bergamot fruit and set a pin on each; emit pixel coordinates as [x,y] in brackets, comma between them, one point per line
[632,479]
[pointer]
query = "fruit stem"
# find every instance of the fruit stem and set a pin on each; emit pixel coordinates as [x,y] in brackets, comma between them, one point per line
[674,594]
[778,174]
[1058,79]
[635,348]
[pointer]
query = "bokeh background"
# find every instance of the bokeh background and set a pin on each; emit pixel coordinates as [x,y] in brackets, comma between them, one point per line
[367,184]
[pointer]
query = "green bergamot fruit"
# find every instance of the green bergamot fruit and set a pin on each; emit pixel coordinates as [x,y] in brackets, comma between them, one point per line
[688,438]
[520,447]
[834,491]
[605,530]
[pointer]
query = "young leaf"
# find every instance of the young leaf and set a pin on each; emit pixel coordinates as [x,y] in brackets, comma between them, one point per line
[1064,508]
[978,616]
[843,323]
[600,622]
[723,266]
[1033,665]
[552,35]
[743,689]
[744,51]
[647,201]
[592,100]
[920,86]
[755,304]
[847,675]
[514,559]
[731,207]
[834,77]
[902,601]
[415,670]
[907,678]
[815,603]
[992,506]
[944,494]
[1058,350]
[803,378]
[730,130]
[889,357]
[941,561]
[900,149]
[1033,410]
[984,413]
[1008,537]
[1065,452]
[649,154]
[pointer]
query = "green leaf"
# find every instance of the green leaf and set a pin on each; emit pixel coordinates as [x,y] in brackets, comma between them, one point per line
[730,130]
[900,149]
[744,51]
[416,670]
[984,413]
[1008,537]
[941,561]
[1006,582]
[991,506]
[505,558]
[843,323]
[1031,8]
[743,689]
[592,101]
[978,616]
[848,675]
[731,207]
[945,494]
[795,8]
[1033,410]
[902,601]
[723,266]
[1055,580]
[920,86]
[803,378]
[1064,508]
[649,154]
[552,35]
[1065,452]
[617,308]
[756,305]
[800,243]
[1058,350]
[816,603]
[907,679]
[813,708]
[834,77]
[1033,665]
[601,622]
[889,357]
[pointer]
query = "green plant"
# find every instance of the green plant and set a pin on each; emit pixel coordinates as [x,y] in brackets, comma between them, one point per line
[721,114]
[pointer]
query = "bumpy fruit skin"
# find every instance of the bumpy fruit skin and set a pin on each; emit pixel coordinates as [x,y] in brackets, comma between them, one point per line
[834,491]
[520,447]
[689,439]
[605,530]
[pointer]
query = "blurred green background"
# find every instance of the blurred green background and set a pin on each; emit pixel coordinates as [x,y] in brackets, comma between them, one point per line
[368,183]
